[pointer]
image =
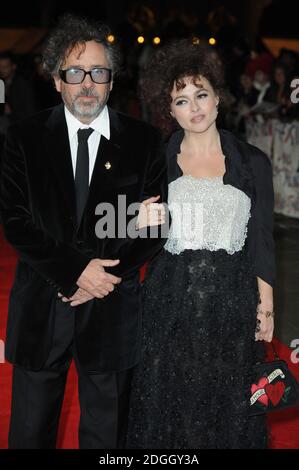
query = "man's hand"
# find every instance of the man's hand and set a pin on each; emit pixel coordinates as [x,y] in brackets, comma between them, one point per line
[80,297]
[95,280]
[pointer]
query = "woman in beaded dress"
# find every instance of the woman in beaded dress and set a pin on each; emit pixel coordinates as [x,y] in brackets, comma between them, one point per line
[208,297]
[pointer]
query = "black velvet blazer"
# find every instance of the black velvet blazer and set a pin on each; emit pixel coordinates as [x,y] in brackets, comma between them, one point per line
[248,169]
[39,219]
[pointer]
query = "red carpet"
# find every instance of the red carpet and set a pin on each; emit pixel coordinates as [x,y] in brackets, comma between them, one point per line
[284,425]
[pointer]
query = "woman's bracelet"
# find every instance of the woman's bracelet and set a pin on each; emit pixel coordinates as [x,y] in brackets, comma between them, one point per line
[267,313]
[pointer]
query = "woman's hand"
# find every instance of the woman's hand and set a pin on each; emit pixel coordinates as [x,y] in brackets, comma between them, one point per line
[265,313]
[265,325]
[150,213]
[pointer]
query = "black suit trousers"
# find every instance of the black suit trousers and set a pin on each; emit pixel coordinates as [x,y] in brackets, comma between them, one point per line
[37,397]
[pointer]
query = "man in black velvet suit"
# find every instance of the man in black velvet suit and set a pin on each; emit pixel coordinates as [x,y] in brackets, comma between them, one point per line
[76,294]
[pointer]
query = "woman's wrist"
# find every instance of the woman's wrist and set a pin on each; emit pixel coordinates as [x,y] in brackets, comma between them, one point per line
[265,307]
[265,302]
[267,313]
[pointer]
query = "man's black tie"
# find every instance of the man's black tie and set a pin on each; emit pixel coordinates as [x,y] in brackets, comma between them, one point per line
[82,171]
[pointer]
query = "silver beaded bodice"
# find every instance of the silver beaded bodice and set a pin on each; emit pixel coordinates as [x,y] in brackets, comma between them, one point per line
[206,214]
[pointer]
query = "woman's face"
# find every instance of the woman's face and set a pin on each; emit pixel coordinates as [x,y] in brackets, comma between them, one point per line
[194,106]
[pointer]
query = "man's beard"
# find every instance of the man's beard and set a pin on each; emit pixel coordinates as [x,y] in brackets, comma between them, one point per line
[87,110]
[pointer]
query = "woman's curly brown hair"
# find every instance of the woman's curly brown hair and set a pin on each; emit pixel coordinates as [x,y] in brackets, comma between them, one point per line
[170,64]
[72,30]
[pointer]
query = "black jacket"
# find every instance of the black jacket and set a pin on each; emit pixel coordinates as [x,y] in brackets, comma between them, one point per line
[39,220]
[248,169]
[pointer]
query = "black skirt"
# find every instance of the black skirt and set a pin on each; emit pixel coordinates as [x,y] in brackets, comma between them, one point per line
[191,388]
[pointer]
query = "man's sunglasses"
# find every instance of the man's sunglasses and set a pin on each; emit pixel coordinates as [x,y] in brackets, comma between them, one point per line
[75,76]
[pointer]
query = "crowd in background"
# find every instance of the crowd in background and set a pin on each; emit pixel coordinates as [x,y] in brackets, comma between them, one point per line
[258,83]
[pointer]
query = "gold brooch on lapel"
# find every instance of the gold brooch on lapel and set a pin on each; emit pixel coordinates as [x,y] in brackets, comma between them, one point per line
[107,165]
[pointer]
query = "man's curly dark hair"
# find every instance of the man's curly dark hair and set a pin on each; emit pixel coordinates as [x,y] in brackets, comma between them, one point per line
[70,31]
[169,65]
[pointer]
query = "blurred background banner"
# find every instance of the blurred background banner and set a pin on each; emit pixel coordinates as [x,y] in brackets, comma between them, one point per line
[280,141]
